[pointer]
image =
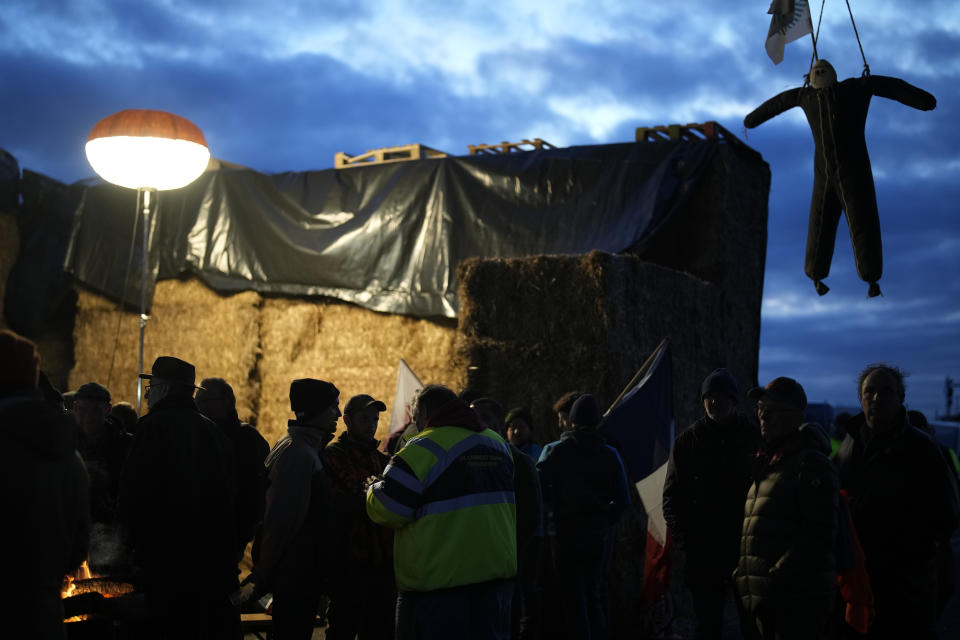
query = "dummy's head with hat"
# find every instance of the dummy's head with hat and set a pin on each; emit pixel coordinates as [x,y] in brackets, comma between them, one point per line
[781,406]
[316,404]
[169,376]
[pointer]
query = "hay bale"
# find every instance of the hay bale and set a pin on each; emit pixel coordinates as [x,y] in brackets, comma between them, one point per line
[259,345]
[355,348]
[534,328]
[218,334]
[9,249]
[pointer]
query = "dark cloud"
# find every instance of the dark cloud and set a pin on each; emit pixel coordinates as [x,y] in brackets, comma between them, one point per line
[264,109]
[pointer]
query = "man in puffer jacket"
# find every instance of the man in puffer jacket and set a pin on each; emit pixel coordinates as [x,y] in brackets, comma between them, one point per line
[786,576]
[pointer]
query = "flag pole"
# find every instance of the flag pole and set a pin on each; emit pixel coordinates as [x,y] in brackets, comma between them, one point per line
[642,371]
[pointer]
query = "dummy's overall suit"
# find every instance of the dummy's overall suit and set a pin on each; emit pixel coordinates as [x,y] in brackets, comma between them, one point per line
[843,180]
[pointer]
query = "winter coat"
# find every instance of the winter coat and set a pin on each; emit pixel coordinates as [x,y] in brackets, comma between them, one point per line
[362,546]
[449,496]
[295,550]
[249,452]
[900,500]
[789,530]
[104,460]
[177,502]
[45,503]
[708,474]
[584,487]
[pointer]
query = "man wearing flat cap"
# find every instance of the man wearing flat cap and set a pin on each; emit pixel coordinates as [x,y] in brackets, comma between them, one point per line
[709,471]
[363,597]
[177,503]
[786,576]
[293,556]
[103,445]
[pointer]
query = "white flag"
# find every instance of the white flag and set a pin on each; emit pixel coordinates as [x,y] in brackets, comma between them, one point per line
[408,386]
[791,21]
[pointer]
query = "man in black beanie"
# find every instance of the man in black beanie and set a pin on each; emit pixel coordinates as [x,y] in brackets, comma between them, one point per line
[707,479]
[293,555]
[584,492]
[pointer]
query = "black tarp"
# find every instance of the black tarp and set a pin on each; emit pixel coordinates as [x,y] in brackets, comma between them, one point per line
[387,237]
[39,297]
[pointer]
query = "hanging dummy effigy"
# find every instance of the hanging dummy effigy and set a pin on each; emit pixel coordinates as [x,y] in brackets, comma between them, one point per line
[842,178]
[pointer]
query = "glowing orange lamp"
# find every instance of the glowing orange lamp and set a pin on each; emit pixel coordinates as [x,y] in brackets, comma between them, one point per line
[148,151]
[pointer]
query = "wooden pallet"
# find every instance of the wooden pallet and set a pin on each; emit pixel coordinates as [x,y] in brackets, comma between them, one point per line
[402,153]
[691,132]
[507,147]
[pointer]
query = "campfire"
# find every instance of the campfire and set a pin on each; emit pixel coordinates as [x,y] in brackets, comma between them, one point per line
[83,591]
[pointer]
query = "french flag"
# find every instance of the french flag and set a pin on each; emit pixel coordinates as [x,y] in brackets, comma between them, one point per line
[640,424]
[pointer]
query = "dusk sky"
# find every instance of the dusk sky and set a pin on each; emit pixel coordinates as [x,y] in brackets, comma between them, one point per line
[282,86]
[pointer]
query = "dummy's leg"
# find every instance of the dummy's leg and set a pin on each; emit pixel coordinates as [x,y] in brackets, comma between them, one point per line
[864,223]
[822,230]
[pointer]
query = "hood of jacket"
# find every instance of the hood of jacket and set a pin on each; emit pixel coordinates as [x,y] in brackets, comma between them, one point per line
[810,435]
[586,438]
[38,426]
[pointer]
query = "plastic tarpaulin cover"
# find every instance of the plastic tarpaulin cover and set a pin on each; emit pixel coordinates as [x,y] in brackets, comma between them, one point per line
[387,237]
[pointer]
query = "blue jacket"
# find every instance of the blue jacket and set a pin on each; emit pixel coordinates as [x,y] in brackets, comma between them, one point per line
[584,486]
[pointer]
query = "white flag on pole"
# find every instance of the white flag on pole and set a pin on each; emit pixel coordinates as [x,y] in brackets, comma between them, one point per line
[790,21]
[408,386]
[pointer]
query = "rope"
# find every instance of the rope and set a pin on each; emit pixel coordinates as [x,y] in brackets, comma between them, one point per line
[816,37]
[866,67]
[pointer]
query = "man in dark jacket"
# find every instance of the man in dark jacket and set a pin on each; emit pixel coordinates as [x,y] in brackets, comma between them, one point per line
[786,576]
[294,554]
[900,499]
[177,504]
[363,595]
[215,400]
[527,598]
[710,469]
[584,492]
[103,444]
[44,501]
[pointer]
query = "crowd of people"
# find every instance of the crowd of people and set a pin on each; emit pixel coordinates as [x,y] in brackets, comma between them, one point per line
[460,525]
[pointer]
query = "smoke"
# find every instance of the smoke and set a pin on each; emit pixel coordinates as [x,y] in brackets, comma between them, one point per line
[107,551]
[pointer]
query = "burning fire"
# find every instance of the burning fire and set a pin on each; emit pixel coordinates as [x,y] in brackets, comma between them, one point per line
[69,588]
[83,581]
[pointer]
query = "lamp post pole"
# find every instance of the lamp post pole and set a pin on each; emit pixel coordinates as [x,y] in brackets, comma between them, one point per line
[145,197]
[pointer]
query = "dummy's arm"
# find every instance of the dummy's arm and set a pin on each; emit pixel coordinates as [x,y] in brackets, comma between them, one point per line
[901,91]
[773,107]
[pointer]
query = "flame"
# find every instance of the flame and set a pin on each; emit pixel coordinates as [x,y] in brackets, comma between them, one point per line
[80,573]
[108,589]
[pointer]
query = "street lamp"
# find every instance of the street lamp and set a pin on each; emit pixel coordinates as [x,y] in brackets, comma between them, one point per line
[148,151]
